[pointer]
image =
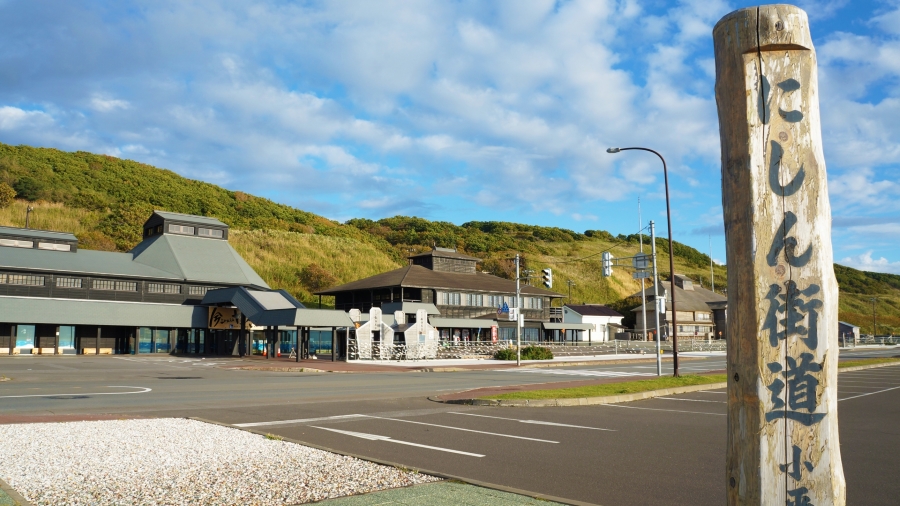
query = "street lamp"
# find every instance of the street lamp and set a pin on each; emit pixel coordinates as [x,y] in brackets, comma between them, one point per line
[671,252]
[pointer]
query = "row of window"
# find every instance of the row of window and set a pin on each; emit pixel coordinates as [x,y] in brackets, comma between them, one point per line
[17,243]
[480,300]
[100,284]
[186,230]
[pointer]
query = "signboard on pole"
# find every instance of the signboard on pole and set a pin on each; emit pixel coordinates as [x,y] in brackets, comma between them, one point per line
[493,333]
[513,314]
[641,261]
[782,440]
[641,275]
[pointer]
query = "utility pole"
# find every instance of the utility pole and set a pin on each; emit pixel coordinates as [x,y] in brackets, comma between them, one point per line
[643,290]
[874,321]
[655,300]
[518,316]
[571,284]
[28,211]
[712,275]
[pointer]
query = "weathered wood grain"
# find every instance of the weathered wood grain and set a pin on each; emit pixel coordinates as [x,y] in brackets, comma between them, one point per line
[783,443]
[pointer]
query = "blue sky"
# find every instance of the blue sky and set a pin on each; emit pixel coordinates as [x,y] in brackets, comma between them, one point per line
[448,110]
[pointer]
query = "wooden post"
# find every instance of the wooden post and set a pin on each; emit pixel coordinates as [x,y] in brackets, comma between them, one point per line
[97,349]
[782,445]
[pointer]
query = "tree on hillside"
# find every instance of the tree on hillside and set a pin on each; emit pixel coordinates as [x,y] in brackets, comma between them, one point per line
[315,277]
[7,195]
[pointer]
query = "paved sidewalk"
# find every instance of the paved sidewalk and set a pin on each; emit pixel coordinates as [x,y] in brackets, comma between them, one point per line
[438,494]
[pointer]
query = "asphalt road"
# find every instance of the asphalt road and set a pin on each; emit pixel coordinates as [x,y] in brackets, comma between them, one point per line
[661,451]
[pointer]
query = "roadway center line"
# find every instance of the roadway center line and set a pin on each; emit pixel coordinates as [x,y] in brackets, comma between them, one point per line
[300,420]
[142,391]
[870,393]
[538,422]
[658,409]
[691,400]
[375,437]
[460,428]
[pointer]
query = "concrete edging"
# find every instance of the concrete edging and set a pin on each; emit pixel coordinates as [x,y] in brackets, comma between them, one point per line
[864,367]
[584,401]
[15,496]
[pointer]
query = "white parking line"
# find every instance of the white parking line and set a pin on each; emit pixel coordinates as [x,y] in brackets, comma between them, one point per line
[711,392]
[691,400]
[870,393]
[375,437]
[537,422]
[299,420]
[459,428]
[658,409]
[142,390]
[582,372]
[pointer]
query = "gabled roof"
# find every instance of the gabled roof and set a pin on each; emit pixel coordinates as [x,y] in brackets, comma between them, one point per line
[593,310]
[197,259]
[38,234]
[84,262]
[190,218]
[697,299]
[416,276]
[409,307]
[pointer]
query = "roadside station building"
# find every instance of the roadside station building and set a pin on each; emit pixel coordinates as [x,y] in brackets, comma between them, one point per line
[702,313]
[57,299]
[461,302]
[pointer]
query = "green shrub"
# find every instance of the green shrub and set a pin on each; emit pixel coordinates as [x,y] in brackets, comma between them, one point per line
[536,353]
[505,354]
[528,353]
[7,194]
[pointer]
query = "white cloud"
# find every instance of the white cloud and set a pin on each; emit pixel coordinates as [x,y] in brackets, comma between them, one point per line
[13,118]
[102,104]
[865,262]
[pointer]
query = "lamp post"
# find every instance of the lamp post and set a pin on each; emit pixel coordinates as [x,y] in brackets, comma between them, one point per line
[671,253]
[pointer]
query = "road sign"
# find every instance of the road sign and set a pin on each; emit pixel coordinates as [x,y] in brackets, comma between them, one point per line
[607,264]
[641,275]
[513,314]
[641,261]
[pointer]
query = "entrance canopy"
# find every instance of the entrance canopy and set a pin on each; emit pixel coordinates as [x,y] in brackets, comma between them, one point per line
[462,323]
[275,308]
[569,326]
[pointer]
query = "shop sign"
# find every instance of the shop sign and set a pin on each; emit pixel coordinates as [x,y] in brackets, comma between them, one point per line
[225,318]
[493,333]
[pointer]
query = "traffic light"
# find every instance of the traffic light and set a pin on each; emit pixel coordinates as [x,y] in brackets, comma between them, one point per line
[547,276]
[607,264]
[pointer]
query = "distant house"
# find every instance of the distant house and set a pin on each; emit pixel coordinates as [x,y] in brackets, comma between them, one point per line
[847,332]
[701,312]
[602,322]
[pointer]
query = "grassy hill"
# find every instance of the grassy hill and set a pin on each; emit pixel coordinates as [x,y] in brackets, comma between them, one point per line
[105,200]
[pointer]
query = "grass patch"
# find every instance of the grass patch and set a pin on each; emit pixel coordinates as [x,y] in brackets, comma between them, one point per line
[274,437]
[629,387]
[867,361]
[528,353]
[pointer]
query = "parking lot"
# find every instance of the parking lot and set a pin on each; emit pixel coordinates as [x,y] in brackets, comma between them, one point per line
[668,450]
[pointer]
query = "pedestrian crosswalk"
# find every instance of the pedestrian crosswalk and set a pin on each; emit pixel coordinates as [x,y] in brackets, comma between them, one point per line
[582,372]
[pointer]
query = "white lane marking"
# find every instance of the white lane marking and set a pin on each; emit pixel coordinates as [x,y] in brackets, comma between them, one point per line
[691,400]
[375,437]
[142,390]
[711,392]
[870,393]
[582,372]
[658,409]
[538,422]
[299,420]
[879,383]
[460,428]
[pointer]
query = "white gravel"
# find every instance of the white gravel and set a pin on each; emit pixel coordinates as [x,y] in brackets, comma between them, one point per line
[177,461]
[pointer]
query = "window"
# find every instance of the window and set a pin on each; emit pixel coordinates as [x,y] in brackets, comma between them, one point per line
[534,303]
[54,246]
[16,243]
[68,282]
[455,299]
[703,316]
[181,229]
[210,232]
[474,299]
[198,290]
[163,288]
[495,300]
[117,286]
[24,279]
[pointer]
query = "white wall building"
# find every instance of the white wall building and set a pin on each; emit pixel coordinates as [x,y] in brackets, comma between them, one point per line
[603,319]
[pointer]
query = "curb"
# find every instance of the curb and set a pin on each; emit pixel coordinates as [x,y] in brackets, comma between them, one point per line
[18,500]
[527,493]
[583,401]
[864,367]
[615,399]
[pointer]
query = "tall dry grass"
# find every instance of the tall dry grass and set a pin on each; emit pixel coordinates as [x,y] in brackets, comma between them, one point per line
[50,216]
